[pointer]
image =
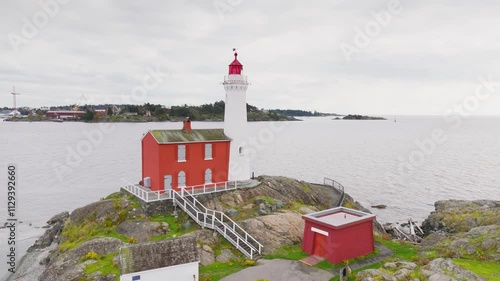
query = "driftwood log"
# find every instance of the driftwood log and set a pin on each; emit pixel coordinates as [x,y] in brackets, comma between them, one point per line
[407,231]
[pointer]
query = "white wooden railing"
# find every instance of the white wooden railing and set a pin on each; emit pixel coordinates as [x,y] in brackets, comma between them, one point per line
[148,195]
[145,194]
[220,222]
[210,187]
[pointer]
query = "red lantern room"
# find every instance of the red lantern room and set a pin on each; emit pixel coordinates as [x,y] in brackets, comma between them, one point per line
[235,67]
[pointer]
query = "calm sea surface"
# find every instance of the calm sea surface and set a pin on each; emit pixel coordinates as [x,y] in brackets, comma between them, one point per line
[378,162]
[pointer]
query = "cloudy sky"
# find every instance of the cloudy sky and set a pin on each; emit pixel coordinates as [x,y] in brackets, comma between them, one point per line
[368,57]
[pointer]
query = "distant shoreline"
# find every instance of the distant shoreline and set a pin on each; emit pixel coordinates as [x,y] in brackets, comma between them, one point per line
[360,117]
[132,121]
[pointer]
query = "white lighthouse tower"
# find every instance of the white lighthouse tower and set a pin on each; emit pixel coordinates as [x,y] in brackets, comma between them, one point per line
[235,120]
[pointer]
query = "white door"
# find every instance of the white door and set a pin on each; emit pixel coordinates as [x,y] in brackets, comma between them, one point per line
[167,182]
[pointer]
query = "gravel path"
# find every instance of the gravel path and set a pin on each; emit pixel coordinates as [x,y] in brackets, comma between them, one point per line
[280,270]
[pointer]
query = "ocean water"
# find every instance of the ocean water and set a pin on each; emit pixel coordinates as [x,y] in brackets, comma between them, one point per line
[63,166]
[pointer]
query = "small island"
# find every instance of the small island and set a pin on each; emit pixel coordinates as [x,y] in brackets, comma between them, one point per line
[360,117]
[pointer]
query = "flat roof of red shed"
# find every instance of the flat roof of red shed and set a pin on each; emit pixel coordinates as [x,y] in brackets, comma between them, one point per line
[339,217]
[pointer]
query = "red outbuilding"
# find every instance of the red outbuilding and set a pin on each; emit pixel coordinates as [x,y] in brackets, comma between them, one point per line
[65,114]
[172,159]
[338,234]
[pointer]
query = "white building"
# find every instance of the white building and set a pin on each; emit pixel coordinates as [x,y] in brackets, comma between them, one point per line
[173,259]
[235,120]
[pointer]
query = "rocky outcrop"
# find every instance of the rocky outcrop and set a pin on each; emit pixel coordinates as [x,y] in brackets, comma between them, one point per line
[374,274]
[61,217]
[271,212]
[437,270]
[52,234]
[142,230]
[281,190]
[444,269]
[307,209]
[225,256]
[207,255]
[454,216]
[67,266]
[276,230]
[480,243]
[33,264]
[464,229]
[100,211]
[204,236]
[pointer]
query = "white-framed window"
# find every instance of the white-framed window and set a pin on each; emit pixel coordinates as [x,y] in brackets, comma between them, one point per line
[208,151]
[181,179]
[208,176]
[181,153]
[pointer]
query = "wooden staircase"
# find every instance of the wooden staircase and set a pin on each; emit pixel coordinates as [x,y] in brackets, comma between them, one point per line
[219,222]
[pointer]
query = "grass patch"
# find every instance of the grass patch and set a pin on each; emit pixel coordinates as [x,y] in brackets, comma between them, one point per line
[224,244]
[294,206]
[349,204]
[487,269]
[267,199]
[326,265]
[174,224]
[219,270]
[400,250]
[289,252]
[105,265]
[75,234]
[120,195]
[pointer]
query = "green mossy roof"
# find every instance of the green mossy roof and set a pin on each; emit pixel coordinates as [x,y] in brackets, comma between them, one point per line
[199,135]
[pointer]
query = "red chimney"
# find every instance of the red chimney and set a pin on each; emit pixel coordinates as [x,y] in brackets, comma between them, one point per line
[187,125]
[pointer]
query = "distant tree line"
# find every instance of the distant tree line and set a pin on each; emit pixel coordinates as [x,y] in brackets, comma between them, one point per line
[297,112]
[158,112]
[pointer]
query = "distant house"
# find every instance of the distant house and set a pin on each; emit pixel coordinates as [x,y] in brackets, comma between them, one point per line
[101,112]
[64,114]
[338,234]
[175,259]
[172,159]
